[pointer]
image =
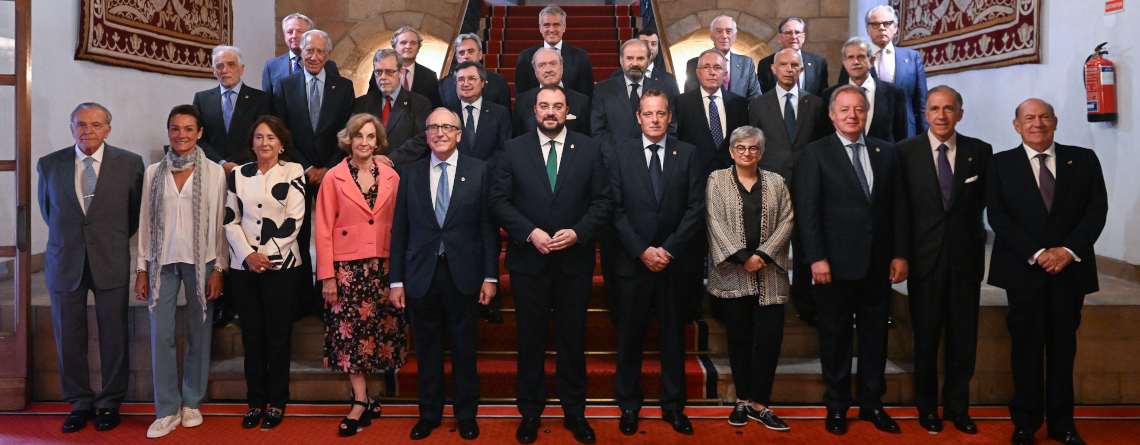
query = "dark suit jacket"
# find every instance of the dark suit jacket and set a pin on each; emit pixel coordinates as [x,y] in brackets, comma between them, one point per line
[278,68]
[1022,225]
[659,74]
[693,127]
[291,103]
[640,222]
[101,237]
[815,73]
[910,76]
[889,121]
[523,120]
[492,131]
[781,152]
[743,82]
[577,73]
[613,119]
[956,236]
[496,90]
[407,122]
[522,200]
[469,236]
[425,82]
[218,143]
[838,223]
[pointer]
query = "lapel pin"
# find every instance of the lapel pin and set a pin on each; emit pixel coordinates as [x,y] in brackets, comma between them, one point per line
[674,153]
[334,87]
[571,145]
[809,63]
[405,103]
[388,186]
[970,159]
[463,178]
[876,149]
[1070,162]
[247,96]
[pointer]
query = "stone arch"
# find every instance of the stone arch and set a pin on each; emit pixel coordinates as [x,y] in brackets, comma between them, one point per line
[353,52]
[689,36]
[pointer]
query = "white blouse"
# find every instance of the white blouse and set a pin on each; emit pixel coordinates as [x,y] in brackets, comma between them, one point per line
[264,213]
[178,218]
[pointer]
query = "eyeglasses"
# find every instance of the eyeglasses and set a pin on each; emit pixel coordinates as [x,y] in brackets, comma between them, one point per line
[556,107]
[740,149]
[386,73]
[463,80]
[886,24]
[714,68]
[83,126]
[792,33]
[447,128]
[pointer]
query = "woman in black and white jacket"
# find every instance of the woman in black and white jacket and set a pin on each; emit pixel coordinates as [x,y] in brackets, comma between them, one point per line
[265,205]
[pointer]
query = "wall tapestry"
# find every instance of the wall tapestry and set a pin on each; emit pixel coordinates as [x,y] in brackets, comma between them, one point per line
[164,36]
[960,35]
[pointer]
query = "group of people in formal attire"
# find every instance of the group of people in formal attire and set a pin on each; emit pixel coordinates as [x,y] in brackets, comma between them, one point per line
[753,172]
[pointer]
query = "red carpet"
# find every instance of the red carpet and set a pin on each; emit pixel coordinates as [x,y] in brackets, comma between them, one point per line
[312,424]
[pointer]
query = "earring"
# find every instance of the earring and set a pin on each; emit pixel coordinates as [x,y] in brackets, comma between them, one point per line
[281,151]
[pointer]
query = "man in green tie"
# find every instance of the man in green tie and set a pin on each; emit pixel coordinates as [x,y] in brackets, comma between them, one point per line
[550,193]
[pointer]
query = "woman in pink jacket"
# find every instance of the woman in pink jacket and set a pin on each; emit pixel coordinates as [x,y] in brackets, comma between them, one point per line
[363,331]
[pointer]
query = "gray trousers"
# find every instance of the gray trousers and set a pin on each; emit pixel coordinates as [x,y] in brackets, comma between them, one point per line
[164,350]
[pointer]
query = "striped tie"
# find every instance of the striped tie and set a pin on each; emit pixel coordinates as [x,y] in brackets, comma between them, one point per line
[89,179]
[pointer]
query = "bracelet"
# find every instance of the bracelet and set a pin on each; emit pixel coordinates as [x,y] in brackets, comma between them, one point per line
[140,271]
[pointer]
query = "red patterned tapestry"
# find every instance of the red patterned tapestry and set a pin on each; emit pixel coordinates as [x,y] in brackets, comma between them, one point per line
[165,36]
[960,35]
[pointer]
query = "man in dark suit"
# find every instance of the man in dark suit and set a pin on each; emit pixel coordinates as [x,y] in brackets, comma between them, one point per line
[468,48]
[886,118]
[901,67]
[548,66]
[694,109]
[851,212]
[945,178]
[415,78]
[551,194]
[657,213]
[813,77]
[579,73]
[229,110]
[650,37]
[787,115]
[613,114]
[402,112]
[740,71]
[88,250]
[1047,205]
[293,26]
[445,262]
[486,125]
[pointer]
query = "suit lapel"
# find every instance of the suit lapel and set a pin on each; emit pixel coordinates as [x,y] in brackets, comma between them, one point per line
[535,155]
[422,188]
[1023,174]
[1064,173]
[930,186]
[458,188]
[351,189]
[241,105]
[399,107]
[101,183]
[839,155]
[212,109]
[625,105]
[963,160]
[881,113]
[66,174]
[326,103]
[801,115]
[669,164]
[564,164]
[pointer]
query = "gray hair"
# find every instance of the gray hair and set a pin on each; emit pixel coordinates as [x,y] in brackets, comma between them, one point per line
[220,48]
[713,23]
[87,105]
[866,44]
[946,89]
[848,89]
[552,9]
[306,36]
[621,52]
[296,16]
[711,51]
[747,133]
[894,14]
[790,19]
[384,53]
[452,113]
[559,53]
[396,36]
[468,36]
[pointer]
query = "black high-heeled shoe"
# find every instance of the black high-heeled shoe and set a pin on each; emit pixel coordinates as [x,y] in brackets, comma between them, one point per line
[348,426]
[371,412]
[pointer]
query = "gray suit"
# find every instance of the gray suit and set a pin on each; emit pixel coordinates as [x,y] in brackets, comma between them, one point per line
[742,76]
[90,252]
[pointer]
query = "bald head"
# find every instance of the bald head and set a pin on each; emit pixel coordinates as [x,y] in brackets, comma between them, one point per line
[1036,124]
[787,66]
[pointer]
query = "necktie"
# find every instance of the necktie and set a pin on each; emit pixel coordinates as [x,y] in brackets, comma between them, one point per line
[857,162]
[228,108]
[1047,181]
[89,179]
[442,198]
[405,81]
[884,74]
[552,165]
[655,171]
[314,103]
[714,122]
[727,75]
[386,111]
[790,117]
[469,127]
[634,98]
[945,175]
[296,65]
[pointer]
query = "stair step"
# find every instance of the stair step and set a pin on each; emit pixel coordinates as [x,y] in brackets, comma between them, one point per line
[602,72]
[572,34]
[517,46]
[577,21]
[496,61]
[572,11]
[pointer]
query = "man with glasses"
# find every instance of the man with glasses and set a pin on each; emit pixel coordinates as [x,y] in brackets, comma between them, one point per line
[416,78]
[900,66]
[707,116]
[813,77]
[551,194]
[579,72]
[886,116]
[468,48]
[293,26]
[740,71]
[548,69]
[401,111]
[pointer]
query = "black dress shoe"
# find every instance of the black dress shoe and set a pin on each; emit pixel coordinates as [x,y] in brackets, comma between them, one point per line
[274,417]
[628,422]
[468,429]
[423,428]
[107,419]
[1067,437]
[881,420]
[528,430]
[1022,437]
[77,420]
[836,422]
[962,422]
[581,429]
[930,422]
[678,420]
[252,418]
[493,316]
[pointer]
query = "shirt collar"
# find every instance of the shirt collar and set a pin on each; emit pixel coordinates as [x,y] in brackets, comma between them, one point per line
[309,76]
[98,155]
[782,92]
[705,94]
[1051,151]
[478,104]
[645,142]
[236,89]
[560,139]
[649,68]
[557,46]
[868,84]
[951,143]
[889,49]
[395,94]
[629,81]
[847,142]
[450,161]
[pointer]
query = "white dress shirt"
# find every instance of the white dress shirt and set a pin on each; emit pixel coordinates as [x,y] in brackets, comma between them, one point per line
[645,143]
[80,166]
[719,108]
[649,70]
[864,158]
[1051,164]
[556,46]
[885,59]
[178,216]
[475,113]
[559,146]
[782,96]
[869,86]
[640,87]
[951,148]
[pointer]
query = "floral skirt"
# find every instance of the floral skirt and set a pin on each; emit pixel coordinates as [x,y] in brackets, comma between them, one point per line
[363,331]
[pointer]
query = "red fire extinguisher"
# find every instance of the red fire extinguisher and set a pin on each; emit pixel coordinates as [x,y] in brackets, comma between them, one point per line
[1100,86]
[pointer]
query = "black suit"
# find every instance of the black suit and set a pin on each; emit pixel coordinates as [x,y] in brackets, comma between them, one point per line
[858,237]
[279,68]
[948,257]
[577,73]
[523,120]
[613,119]
[556,284]
[407,122]
[443,291]
[219,143]
[425,82]
[1044,309]
[659,73]
[693,127]
[495,90]
[491,132]
[314,148]
[815,73]
[889,120]
[642,220]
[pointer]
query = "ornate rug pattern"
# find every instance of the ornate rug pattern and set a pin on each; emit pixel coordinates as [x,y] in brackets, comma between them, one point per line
[165,36]
[960,35]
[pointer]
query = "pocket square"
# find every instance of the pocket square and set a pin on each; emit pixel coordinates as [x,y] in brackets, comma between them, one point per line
[570,117]
[971,179]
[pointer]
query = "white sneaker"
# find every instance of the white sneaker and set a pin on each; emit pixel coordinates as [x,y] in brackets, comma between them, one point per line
[163,426]
[191,417]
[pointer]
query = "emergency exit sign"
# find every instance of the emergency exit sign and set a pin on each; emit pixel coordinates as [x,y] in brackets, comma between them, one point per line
[1113,6]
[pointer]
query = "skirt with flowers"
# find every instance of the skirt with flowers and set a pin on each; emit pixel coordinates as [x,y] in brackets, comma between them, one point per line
[363,331]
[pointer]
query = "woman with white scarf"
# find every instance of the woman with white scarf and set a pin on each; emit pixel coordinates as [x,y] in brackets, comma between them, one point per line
[181,242]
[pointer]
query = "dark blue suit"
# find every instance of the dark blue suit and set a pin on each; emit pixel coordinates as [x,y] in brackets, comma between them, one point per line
[910,76]
[278,68]
[492,131]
